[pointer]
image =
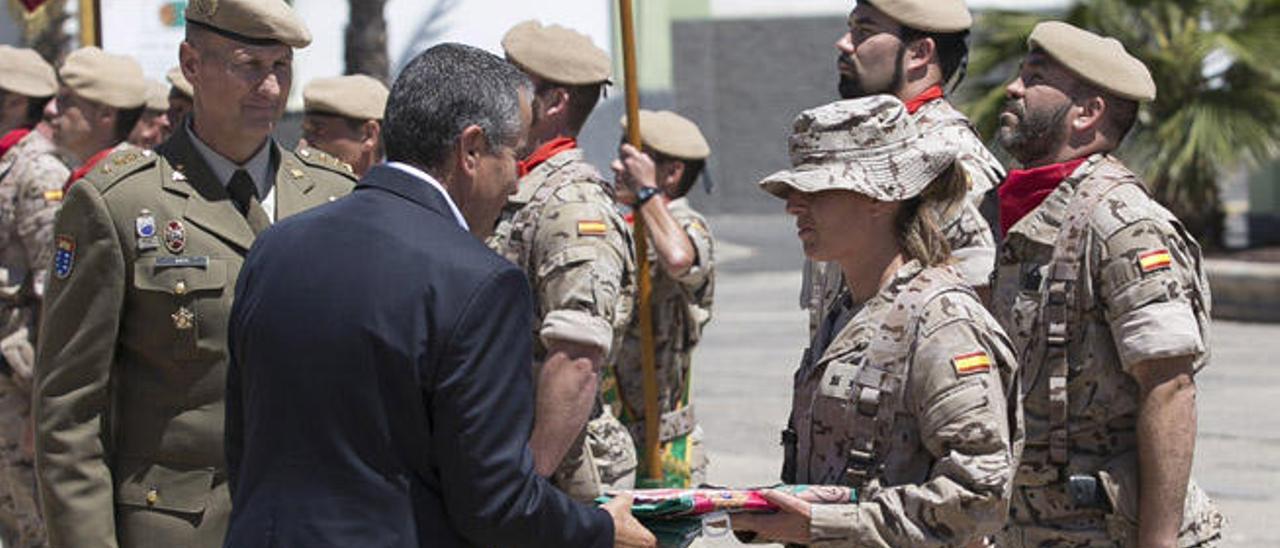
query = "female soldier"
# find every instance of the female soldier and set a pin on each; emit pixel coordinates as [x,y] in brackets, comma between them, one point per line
[909,390]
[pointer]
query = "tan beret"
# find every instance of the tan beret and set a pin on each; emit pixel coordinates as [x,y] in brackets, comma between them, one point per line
[113,80]
[1100,61]
[26,73]
[356,96]
[941,16]
[179,82]
[157,95]
[251,21]
[671,134]
[556,53]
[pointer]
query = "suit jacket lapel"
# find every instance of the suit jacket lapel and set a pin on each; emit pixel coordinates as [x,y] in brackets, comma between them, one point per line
[208,204]
[293,188]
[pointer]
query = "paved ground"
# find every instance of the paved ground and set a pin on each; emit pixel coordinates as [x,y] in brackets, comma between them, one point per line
[745,362]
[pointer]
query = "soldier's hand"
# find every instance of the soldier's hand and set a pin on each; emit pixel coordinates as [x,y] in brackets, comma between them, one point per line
[790,525]
[627,532]
[634,168]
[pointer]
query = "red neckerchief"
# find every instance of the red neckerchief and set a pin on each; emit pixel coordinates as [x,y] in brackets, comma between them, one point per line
[545,152]
[12,138]
[1025,189]
[87,167]
[630,217]
[930,95]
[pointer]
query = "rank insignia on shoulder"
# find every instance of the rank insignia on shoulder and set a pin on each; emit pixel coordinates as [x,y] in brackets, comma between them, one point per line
[64,256]
[53,195]
[592,228]
[1152,261]
[973,362]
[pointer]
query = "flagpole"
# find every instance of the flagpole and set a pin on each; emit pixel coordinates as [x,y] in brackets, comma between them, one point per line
[90,23]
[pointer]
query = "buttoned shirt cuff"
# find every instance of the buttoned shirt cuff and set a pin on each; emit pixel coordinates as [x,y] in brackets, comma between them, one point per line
[832,525]
[576,326]
[1157,331]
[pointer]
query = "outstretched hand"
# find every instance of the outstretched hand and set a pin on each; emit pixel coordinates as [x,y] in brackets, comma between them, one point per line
[789,525]
[627,531]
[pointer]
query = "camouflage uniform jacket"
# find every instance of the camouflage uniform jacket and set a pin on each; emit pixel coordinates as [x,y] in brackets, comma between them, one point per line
[561,228]
[972,241]
[1142,295]
[681,308]
[30,194]
[942,470]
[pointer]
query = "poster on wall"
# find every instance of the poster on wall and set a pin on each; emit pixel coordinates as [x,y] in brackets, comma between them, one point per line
[148,30]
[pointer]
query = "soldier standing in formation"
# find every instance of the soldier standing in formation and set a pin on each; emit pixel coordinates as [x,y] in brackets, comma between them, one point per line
[153,126]
[131,368]
[682,253]
[180,97]
[912,49]
[1104,295]
[910,392]
[31,179]
[561,228]
[101,98]
[344,119]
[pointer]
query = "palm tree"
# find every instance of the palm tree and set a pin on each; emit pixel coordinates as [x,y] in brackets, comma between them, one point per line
[1216,64]
[366,39]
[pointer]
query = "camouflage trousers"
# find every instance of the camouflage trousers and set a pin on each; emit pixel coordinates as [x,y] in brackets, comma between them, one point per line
[602,460]
[20,521]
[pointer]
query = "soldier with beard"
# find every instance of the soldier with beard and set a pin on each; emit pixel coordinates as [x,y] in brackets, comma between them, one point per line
[912,49]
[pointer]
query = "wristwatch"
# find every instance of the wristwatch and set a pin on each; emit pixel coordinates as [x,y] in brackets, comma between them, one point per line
[644,194]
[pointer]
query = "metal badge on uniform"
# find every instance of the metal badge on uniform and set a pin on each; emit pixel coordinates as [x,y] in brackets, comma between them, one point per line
[145,226]
[973,362]
[175,236]
[1152,261]
[64,256]
[183,319]
[592,228]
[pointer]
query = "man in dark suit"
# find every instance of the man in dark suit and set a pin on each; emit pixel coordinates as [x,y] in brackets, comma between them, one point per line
[381,392]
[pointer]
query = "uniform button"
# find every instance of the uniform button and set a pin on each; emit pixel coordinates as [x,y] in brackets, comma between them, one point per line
[180,288]
[153,496]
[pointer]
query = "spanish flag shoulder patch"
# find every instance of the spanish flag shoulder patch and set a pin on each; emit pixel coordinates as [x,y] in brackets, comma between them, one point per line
[973,362]
[1152,261]
[592,228]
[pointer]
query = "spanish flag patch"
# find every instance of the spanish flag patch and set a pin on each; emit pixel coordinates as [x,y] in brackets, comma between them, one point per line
[592,228]
[973,362]
[1152,261]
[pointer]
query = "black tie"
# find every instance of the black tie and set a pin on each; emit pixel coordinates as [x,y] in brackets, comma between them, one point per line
[245,195]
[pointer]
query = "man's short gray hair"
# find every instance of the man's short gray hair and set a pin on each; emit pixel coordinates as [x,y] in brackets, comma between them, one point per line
[442,92]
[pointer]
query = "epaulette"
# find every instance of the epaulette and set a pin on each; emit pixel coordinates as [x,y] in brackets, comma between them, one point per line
[119,165]
[321,159]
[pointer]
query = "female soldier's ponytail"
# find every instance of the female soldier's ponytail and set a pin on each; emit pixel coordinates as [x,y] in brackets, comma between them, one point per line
[918,222]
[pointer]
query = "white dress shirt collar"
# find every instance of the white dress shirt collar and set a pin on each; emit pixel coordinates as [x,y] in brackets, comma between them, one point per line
[457,215]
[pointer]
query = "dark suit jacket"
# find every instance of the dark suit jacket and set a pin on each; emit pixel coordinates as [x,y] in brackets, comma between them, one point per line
[380,392]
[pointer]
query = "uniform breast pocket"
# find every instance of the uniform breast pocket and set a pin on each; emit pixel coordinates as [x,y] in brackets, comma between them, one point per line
[185,305]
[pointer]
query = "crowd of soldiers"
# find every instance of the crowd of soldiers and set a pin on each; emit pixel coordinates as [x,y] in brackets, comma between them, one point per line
[1035,393]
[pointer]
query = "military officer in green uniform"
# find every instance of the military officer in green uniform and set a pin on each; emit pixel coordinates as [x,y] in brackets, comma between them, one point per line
[1104,295]
[682,259]
[131,367]
[561,227]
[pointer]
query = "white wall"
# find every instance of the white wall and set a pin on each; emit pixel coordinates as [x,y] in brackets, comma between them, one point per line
[776,8]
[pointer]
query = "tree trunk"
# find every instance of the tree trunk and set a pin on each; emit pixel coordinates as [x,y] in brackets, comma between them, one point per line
[366,38]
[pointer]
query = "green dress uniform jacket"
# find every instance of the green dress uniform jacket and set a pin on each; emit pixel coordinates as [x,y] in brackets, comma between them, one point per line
[131,369]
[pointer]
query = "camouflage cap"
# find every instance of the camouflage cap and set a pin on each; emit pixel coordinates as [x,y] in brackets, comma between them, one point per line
[179,81]
[251,21]
[556,53]
[355,96]
[671,134]
[113,80]
[868,145]
[941,16]
[157,95]
[1099,60]
[26,73]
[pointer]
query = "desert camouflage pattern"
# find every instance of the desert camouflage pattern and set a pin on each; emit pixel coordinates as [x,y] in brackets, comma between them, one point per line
[561,228]
[1124,314]
[681,308]
[30,194]
[948,456]
[972,240]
